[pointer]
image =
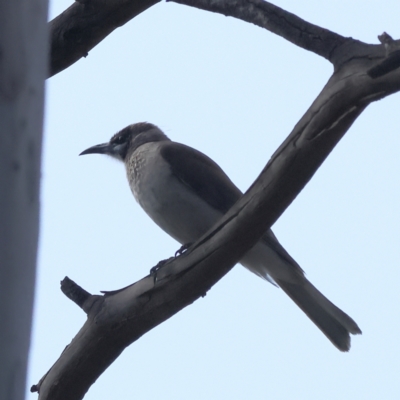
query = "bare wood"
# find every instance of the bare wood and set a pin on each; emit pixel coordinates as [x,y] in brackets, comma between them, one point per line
[392,60]
[276,20]
[118,319]
[74,292]
[85,24]
[321,41]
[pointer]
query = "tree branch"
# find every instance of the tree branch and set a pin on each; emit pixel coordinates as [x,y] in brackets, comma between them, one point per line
[321,41]
[276,20]
[74,292]
[85,24]
[121,317]
[392,60]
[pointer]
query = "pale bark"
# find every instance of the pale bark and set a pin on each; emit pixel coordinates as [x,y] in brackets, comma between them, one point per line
[23,67]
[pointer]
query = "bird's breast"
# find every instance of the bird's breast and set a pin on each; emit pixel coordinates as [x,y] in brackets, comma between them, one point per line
[135,168]
[172,205]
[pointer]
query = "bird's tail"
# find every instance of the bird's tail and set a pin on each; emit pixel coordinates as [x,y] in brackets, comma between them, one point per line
[333,322]
[269,260]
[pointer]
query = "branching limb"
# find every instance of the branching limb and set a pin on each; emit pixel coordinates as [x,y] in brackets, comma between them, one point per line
[85,24]
[276,20]
[121,317]
[392,60]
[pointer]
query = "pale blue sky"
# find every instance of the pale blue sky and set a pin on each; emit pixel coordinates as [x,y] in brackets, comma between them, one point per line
[233,91]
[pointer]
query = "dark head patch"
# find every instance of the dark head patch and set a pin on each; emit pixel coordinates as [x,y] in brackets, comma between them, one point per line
[126,134]
[126,141]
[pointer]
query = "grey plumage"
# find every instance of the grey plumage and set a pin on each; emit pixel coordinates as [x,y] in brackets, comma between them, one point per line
[185,193]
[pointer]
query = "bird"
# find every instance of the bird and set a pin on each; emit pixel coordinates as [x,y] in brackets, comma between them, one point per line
[185,193]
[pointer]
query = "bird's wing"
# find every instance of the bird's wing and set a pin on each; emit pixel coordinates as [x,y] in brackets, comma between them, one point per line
[202,175]
[206,178]
[209,181]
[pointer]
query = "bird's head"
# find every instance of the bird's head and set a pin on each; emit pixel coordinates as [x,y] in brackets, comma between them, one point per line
[128,140]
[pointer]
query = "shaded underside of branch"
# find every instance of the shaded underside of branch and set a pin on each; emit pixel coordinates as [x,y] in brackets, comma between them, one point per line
[85,24]
[119,318]
[276,20]
[321,41]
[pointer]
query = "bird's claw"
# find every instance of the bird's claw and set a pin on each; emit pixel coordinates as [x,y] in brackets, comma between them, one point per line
[156,268]
[182,249]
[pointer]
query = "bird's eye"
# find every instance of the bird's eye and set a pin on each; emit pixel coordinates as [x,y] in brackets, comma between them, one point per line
[119,140]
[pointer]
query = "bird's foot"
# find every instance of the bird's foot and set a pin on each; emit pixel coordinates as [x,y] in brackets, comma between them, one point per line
[183,249]
[153,271]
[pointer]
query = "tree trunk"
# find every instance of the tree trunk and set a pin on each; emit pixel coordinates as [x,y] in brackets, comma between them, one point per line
[23,67]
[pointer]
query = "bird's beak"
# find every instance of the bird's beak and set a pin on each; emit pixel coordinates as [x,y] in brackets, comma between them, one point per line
[104,148]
